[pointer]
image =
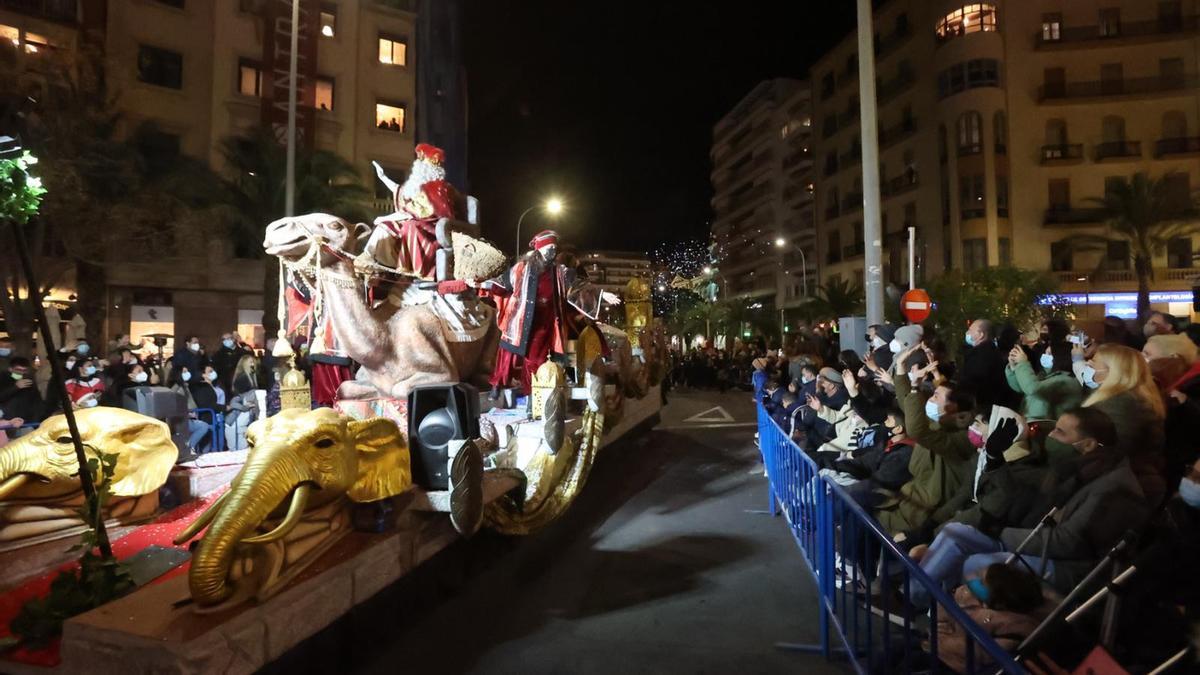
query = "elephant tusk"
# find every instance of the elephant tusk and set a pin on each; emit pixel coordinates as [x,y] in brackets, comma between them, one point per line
[12,484]
[294,514]
[201,522]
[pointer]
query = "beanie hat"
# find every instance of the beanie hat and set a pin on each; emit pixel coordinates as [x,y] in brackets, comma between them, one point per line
[885,332]
[832,375]
[909,335]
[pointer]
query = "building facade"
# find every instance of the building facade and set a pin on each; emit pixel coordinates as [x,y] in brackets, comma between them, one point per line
[201,71]
[763,220]
[1022,113]
[612,270]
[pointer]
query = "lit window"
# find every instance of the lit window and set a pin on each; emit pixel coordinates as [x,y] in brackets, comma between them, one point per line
[392,50]
[35,43]
[977,18]
[249,78]
[9,34]
[389,116]
[1051,27]
[328,20]
[324,93]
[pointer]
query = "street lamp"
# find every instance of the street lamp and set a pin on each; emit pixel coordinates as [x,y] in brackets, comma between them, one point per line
[781,242]
[553,206]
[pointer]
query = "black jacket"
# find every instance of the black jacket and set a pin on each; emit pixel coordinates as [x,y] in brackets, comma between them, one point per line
[24,403]
[206,396]
[982,376]
[225,361]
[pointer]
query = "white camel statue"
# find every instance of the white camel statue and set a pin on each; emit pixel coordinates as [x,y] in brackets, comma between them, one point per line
[425,339]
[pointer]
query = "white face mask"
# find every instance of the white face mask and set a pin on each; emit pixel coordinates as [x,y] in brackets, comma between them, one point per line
[141,377]
[185,376]
[90,403]
[877,342]
[194,346]
[211,376]
[895,346]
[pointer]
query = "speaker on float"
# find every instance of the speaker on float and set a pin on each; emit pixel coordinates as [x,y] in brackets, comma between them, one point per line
[438,414]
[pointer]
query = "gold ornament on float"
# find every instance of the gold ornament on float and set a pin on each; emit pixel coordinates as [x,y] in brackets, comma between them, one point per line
[291,500]
[638,309]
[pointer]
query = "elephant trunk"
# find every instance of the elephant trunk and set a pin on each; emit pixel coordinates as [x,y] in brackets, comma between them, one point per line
[14,467]
[263,484]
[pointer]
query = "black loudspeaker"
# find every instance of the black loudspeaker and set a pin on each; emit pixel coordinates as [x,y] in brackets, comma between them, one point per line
[438,414]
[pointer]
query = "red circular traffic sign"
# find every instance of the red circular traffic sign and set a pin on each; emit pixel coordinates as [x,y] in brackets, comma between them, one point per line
[915,305]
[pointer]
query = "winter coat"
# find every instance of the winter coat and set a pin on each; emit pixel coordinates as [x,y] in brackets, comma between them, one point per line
[17,402]
[1046,397]
[1140,437]
[838,427]
[941,462]
[1101,499]
[884,464]
[982,376]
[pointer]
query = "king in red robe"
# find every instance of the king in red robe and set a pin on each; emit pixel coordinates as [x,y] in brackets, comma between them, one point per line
[533,300]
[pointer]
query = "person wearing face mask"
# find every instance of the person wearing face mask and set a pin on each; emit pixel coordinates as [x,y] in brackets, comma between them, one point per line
[179,381]
[6,353]
[879,336]
[1128,395]
[1054,391]
[835,422]
[942,459]
[1161,601]
[982,373]
[881,466]
[904,339]
[226,358]
[190,355]
[1159,323]
[135,376]
[19,397]
[1098,496]
[207,391]
[87,388]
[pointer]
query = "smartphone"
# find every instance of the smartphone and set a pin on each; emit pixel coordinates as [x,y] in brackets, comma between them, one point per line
[1077,338]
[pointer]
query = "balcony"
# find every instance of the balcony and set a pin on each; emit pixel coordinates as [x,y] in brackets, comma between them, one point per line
[889,44]
[852,202]
[63,11]
[1062,153]
[897,133]
[899,185]
[1169,147]
[1086,36]
[1068,92]
[850,158]
[889,90]
[1067,215]
[1118,150]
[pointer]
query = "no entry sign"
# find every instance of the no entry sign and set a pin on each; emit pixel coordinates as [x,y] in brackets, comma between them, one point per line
[915,305]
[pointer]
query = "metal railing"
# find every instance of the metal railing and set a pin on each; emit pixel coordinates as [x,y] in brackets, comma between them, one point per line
[1064,151]
[1115,87]
[1118,149]
[831,530]
[217,422]
[1177,146]
[1125,29]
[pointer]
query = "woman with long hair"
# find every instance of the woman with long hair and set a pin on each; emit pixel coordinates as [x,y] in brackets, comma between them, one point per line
[1128,395]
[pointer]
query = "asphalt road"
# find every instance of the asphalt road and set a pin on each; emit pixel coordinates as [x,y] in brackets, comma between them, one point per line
[660,567]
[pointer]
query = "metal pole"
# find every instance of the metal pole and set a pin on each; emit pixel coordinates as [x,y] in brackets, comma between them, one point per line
[803,270]
[518,253]
[289,199]
[59,386]
[912,258]
[873,267]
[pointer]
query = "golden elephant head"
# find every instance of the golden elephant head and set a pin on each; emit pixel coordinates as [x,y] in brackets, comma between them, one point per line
[300,463]
[42,466]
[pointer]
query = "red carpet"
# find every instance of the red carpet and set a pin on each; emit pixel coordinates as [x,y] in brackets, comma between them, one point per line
[160,532]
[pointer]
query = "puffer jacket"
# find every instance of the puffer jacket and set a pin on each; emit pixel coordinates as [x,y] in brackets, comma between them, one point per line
[1045,397]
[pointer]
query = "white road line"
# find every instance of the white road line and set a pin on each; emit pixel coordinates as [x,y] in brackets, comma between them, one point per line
[723,425]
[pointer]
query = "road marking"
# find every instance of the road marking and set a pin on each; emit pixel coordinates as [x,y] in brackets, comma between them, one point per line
[720,425]
[722,415]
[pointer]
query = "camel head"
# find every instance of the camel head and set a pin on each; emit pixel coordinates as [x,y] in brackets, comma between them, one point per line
[291,238]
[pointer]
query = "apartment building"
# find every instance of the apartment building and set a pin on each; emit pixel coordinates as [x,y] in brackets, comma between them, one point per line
[611,270]
[203,70]
[997,122]
[762,201]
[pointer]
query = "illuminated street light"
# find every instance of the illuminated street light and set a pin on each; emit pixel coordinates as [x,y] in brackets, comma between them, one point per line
[553,207]
[780,242]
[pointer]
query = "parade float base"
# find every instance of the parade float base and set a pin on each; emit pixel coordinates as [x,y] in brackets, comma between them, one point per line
[156,629]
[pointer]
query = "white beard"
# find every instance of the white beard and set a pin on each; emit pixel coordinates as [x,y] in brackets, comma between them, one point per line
[422,172]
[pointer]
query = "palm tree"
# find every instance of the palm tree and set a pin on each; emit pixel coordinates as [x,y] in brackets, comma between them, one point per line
[1145,212]
[836,298]
[256,165]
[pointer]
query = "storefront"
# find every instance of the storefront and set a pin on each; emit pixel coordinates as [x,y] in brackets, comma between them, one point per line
[1124,303]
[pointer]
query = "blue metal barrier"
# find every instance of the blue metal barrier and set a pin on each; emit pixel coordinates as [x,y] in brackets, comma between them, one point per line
[217,424]
[844,547]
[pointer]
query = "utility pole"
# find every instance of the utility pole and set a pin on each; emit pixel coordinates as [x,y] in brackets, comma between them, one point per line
[289,199]
[867,118]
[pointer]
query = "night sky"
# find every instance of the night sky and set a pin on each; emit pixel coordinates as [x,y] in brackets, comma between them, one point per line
[611,105]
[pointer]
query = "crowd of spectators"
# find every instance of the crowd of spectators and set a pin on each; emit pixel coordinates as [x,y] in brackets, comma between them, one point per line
[230,384]
[962,459]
